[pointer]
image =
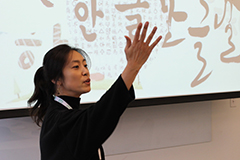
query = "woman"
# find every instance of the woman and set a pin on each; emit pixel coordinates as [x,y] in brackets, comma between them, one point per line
[69,133]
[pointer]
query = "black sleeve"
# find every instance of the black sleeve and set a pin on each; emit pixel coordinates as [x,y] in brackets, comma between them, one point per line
[87,130]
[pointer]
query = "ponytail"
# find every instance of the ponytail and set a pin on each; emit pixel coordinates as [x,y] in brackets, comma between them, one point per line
[41,96]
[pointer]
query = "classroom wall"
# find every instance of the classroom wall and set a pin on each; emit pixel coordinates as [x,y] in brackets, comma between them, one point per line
[19,139]
[161,126]
[225,143]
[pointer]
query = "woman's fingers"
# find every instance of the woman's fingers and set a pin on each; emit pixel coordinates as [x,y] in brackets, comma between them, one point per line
[151,35]
[140,42]
[143,35]
[137,33]
[128,43]
[155,42]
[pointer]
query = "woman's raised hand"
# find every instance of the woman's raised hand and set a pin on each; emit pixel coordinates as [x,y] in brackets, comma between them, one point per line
[137,52]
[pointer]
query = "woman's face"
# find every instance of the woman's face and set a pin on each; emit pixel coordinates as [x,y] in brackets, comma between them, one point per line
[76,76]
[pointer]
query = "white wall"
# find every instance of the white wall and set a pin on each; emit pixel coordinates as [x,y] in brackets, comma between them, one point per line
[225,144]
[19,140]
[161,126]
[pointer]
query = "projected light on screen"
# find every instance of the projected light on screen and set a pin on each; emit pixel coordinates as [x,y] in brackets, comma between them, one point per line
[199,52]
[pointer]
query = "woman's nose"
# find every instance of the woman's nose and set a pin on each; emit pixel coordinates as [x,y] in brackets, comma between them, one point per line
[85,71]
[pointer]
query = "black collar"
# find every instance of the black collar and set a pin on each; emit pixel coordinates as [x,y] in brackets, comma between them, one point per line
[72,101]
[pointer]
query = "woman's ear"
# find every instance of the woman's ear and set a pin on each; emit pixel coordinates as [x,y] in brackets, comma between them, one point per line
[58,82]
[53,81]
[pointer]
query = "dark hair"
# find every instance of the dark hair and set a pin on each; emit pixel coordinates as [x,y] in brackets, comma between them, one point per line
[53,63]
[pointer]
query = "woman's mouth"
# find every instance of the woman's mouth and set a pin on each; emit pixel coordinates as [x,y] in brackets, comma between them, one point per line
[87,81]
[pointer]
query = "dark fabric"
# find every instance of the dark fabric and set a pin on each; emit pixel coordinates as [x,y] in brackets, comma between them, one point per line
[78,134]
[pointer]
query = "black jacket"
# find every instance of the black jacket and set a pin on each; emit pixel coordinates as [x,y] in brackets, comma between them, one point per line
[78,134]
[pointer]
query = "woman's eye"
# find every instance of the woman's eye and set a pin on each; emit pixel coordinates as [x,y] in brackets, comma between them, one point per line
[86,66]
[75,66]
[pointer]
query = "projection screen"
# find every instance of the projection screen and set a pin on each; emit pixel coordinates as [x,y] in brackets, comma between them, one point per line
[199,53]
